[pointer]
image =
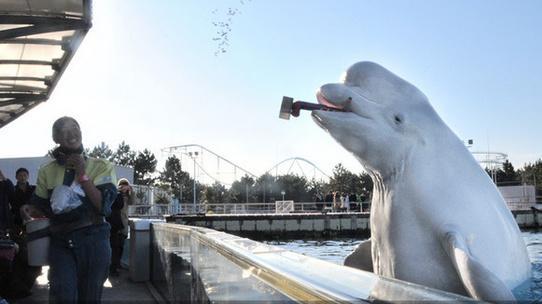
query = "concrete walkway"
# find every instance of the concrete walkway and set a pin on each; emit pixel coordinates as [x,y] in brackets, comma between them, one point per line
[116,290]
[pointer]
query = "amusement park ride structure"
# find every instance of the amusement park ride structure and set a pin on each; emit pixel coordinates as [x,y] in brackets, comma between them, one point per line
[210,167]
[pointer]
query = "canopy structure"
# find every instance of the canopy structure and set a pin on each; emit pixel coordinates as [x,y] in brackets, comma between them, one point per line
[38,38]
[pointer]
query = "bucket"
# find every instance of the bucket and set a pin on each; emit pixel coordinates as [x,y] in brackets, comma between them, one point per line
[38,241]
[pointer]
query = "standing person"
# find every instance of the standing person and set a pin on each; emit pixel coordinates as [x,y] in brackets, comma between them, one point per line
[336,201]
[22,196]
[342,208]
[6,196]
[329,199]
[76,193]
[354,202]
[119,223]
[24,275]
[346,202]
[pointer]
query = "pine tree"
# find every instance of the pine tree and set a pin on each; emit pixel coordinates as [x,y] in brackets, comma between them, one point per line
[124,156]
[144,167]
[101,151]
[172,177]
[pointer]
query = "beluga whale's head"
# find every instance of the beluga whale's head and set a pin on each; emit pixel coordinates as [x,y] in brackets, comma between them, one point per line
[385,118]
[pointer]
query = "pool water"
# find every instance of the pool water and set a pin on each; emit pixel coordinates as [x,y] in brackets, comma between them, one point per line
[336,250]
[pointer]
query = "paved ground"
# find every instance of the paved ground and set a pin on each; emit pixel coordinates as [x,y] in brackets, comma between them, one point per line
[116,290]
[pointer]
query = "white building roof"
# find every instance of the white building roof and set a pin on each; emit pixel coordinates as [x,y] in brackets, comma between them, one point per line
[38,38]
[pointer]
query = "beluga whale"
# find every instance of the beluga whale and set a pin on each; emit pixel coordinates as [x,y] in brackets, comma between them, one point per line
[436,218]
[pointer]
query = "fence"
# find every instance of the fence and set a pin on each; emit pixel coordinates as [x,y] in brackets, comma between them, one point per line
[276,207]
[151,202]
[155,202]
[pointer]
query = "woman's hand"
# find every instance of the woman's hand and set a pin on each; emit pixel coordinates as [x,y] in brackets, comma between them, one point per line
[77,162]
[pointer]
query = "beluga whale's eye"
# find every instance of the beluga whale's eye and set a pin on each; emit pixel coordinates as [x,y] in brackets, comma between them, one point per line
[398,119]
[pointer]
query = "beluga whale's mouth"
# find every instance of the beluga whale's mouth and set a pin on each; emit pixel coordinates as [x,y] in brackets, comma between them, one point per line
[290,108]
[341,106]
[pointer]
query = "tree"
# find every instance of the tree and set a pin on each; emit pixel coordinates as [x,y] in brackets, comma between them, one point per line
[315,189]
[144,166]
[124,156]
[243,191]
[505,176]
[266,188]
[364,187]
[187,190]
[532,174]
[345,181]
[101,151]
[342,180]
[295,187]
[215,193]
[172,177]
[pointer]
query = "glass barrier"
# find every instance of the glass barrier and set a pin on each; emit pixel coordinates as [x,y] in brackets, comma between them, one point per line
[204,265]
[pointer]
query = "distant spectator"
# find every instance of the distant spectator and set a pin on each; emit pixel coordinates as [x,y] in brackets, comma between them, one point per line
[329,199]
[319,199]
[119,223]
[341,199]
[353,197]
[346,202]
[336,201]
[6,197]
[354,202]
[23,276]
[23,194]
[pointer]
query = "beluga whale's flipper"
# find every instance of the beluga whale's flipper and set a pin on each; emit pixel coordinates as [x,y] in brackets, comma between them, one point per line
[361,258]
[478,281]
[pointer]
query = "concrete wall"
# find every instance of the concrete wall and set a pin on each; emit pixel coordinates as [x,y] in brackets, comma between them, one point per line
[269,226]
[306,225]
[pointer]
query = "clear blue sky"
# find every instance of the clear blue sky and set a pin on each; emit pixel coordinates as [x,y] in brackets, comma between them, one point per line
[146,73]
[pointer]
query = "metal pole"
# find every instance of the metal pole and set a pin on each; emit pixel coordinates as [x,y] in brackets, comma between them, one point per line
[194,189]
[180,197]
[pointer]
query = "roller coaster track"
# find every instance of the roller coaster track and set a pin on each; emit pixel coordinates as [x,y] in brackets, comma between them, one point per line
[200,157]
[295,161]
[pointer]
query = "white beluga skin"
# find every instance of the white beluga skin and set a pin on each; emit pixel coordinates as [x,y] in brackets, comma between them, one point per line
[437,219]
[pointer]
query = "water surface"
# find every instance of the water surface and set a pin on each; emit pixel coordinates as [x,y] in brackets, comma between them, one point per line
[336,250]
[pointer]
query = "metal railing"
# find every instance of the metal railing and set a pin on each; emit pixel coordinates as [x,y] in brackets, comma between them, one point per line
[275,207]
[157,210]
[155,202]
[515,206]
[244,208]
[148,195]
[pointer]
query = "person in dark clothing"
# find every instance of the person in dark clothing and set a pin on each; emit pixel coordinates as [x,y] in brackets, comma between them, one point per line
[329,199]
[6,196]
[354,205]
[23,194]
[10,285]
[119,223]
[23,276]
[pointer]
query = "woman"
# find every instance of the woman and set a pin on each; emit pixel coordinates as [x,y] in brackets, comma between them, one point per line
[76,193]
[119,223]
